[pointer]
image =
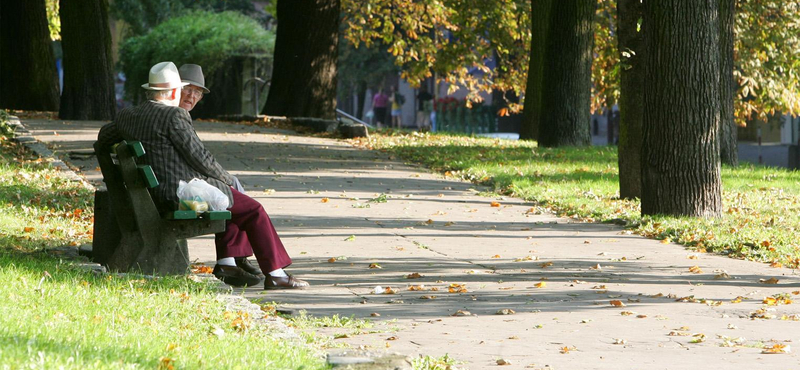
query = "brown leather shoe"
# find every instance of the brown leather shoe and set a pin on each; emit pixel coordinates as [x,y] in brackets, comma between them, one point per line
[286,282]
[234,275]
[245,264]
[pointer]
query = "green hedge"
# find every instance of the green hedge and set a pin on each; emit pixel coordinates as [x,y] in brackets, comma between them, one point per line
[199,37]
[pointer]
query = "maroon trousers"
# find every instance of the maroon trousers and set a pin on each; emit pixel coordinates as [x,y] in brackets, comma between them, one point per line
[250,231]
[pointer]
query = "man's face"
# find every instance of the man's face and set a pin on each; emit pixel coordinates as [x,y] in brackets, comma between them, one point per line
[190,96]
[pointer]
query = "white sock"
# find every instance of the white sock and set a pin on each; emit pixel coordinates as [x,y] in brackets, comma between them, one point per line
[278,273]
[227,261]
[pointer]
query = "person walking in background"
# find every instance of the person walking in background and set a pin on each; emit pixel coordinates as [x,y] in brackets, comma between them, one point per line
[397,100]
[424,99]
[379,104]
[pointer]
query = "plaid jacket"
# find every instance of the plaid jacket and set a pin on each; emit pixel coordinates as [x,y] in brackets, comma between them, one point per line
[171,146]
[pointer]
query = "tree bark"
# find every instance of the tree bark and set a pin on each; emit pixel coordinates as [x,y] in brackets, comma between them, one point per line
[631,45]
[28,77]
[306,50]
[531,111]
[567,75]
[680,163]
[361,93]
[88,65]
[729,153]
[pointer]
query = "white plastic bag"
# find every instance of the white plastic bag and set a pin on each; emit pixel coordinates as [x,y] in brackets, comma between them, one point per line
[197,191]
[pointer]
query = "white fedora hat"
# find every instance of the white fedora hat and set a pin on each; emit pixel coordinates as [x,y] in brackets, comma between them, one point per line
[164,76]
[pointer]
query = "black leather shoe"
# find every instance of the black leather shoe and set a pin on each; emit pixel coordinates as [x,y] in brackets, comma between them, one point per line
[236,276]
[286,282]
[245,264]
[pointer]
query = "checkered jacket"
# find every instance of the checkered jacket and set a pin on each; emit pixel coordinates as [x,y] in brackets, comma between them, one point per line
[171,146]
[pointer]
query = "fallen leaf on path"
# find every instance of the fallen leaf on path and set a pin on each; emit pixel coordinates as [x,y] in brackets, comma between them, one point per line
[526,258]
[678,334]
[777,349]
[599,287]
[501,361]
[776,264]
[657,295]
[495,204]
[641,316]
[722,276]
[665,241]
[565,350]
[626,313]
[698,338]
[428,297]
[447,224]
[375,266]
[457,288]
[415,288]
[768,281]
[392,338]
[695,269]
[375,314]
[596,267]
[202,270]
[587,242]
[496,256]
[692,256]
[332,259]
[540,285]
[350,238]
[617,303]
[546,265]
[324,200]
[619,341]
[462,313]
[413,275]
[505,311]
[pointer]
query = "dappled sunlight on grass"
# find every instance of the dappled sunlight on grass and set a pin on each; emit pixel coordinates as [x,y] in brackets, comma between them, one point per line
[761,216]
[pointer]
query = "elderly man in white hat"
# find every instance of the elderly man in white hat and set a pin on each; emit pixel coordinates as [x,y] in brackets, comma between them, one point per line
[175,153]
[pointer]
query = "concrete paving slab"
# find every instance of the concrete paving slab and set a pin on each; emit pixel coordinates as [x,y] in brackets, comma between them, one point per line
[583,296]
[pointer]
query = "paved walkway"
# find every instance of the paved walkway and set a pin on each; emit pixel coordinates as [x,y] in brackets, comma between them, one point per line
[559,278]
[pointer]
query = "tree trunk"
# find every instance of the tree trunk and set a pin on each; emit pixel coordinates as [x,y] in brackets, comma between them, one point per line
[567,75]
[28,77]
[631,45]
[361,93]
[88,66]
[531,111]
[680,163]
[304,74]
[729,152]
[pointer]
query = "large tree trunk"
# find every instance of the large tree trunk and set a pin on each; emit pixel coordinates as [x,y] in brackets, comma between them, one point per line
[88,66]
[631,46]
[680,163]
[304,74]
[567,75]
[532,108]
[28,77]
[728,138]
[361,94]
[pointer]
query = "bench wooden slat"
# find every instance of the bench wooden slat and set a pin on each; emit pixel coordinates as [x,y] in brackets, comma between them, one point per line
[219,215]
[137,149]
[147,174]
[181,215]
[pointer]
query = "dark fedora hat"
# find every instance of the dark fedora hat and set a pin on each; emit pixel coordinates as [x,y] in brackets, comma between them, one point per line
[193,74]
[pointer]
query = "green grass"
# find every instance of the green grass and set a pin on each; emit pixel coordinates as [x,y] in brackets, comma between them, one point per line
[761,218]
[54,314]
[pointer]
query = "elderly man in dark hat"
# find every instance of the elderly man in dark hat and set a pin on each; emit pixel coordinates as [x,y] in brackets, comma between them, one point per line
[234,244]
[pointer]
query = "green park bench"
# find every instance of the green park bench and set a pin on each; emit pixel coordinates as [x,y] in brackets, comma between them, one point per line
[129,232]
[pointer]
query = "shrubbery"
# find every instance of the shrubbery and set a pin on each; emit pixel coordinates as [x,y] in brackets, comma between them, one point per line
[199,37]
